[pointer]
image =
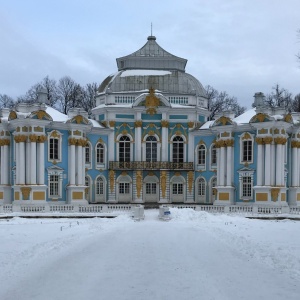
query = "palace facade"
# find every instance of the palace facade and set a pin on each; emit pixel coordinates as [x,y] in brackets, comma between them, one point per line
[149,140]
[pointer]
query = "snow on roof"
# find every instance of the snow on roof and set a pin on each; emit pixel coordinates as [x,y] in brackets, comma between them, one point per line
[144,73]
[56,115]
[245,117]
[95,123]
[207,125]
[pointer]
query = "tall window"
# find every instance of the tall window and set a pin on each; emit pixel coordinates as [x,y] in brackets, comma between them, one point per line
[54,186]
[151,149]
[124,188]
[151,188]
[53,148]
[247,150]
[178,150]
[99,186]
[100,154]
[201,187]
[213,155]
[124,148]
[201,155]
[177,188]
[87,154]
[247,187]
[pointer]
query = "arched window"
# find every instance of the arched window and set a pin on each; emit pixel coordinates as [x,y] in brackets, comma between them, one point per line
[99,186]
[54,146]
[201,155]
[178,149]
[151,149]
[201,187]
[88,154]
[124,148]
[213,155]
[100,157]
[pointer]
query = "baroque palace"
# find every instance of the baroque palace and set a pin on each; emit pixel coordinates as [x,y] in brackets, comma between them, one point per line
[150,141]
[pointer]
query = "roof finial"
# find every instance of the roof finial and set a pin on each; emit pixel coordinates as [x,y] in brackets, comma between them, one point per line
[151,28]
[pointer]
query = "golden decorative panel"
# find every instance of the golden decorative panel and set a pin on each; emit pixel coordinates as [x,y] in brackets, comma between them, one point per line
[224,196]
[275,194]
[225,134]
[38,196]
[17,195]
[38,129]
[298,196]
[191,124]
[111,180]
[77,132]
[25,129]
[151,102]
[55,134]
[25,192]
[77,195]
[1,195]
[12,115]
[190,180]
[263,131]
[261,196]
[288,118]
[283,197]
[276,131]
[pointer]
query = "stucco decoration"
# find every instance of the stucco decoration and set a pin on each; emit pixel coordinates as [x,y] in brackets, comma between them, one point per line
[111,180]
[260,117]
[151,102]
[138,183]
[163,183]
[25,192]
[275,193]
[79,119]
[223,121]
[12,115]
[41,115]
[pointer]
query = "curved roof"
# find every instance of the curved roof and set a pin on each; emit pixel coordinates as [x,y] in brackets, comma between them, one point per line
[152,57]
[172,82]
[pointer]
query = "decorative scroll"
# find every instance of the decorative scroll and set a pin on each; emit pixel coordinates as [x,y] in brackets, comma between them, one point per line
[138,183]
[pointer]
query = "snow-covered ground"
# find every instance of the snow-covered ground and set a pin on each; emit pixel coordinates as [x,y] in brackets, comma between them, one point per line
[196,255]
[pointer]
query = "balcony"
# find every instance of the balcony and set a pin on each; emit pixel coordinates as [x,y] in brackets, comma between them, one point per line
[147,165]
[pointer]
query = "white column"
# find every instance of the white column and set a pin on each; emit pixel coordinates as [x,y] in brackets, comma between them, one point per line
[222,166]
[282,146]
[273,165]
[267,164]
[2,161]
[164,144]
[260,164]
[229,166]
[21,161]
[27,163]
[79,165]
[218,166]
[138,143]
[6,157]
[83,164]
[33,163]
[72,169]
[294,166]
[41,163]
[17,158]
[111,147]
[298,166]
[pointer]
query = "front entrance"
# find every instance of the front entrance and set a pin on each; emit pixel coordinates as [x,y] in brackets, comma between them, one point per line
[151,189]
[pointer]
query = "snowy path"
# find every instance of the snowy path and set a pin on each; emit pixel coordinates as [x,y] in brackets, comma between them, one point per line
[149,260]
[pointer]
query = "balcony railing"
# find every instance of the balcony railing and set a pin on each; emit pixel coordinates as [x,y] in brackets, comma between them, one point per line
[147,165]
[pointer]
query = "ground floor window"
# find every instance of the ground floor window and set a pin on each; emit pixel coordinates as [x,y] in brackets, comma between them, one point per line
[247,187]
[99,186]
[150,188]
[54,185]
[201,187]
[124,188]
[177,188]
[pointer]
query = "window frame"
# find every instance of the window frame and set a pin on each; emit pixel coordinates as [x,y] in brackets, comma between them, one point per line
[55,136]
[245,140]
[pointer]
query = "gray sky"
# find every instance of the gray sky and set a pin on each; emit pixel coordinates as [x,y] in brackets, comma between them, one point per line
[241,47]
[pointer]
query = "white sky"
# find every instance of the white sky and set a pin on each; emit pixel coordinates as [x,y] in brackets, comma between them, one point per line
[241,47]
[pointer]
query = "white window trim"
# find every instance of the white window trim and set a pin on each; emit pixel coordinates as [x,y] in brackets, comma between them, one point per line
[211,187]
[131,146]
[245,173]
[59,146]
[55,171]
[184,147]
[124,179]
[242,148]
[89,187]
[101,165]
[200,199]
[177,179]
[158,147]
[202,166]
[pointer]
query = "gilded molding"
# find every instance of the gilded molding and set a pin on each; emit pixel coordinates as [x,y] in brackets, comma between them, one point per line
[33,138]
[280,140]
[138,183]
[112,123]
[42,138]
[138,123]
[111,180]
[276,131]
[246,136]
[164,123]
[263,131]
[225,134]
[77,132]
[55,134]
[163,183]
[38,129]
[25,129]
[4,142]
[259,141]
[268,140]
[190,181]
[191,124]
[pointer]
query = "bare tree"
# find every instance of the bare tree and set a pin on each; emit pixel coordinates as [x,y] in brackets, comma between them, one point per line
[70,94]
[221,101]
[89,97]
[279,97]
[298,35]
[6,101]
[296,103]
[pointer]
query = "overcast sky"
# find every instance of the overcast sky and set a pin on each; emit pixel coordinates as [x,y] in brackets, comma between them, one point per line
[241,47]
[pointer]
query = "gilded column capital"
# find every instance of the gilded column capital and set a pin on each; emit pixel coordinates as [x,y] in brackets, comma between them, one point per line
[295,144]
[191,124]
[82,142]
[72,141]
[41,139]
[268,140]
[164,123]
[229,143]
[138,123]
[259,140]
[112,123]
[4,142]
[280,140]
[21,138]
[33,138]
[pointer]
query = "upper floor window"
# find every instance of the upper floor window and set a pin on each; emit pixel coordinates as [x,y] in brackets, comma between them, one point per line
[201,155]
[213,155]
[151,149]
[88,154]
[246,148]
[100,157]
[53,148]
[124,149]
[178,149]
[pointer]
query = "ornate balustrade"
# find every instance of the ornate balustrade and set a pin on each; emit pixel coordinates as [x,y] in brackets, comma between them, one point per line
[146,165]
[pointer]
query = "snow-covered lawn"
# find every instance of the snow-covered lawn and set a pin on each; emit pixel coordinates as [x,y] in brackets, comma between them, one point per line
[196,255]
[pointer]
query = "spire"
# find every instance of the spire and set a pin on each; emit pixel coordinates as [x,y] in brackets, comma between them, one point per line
[151,28]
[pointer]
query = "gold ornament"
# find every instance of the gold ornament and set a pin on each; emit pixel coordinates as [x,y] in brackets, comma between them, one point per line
[138,183]
[163,183]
